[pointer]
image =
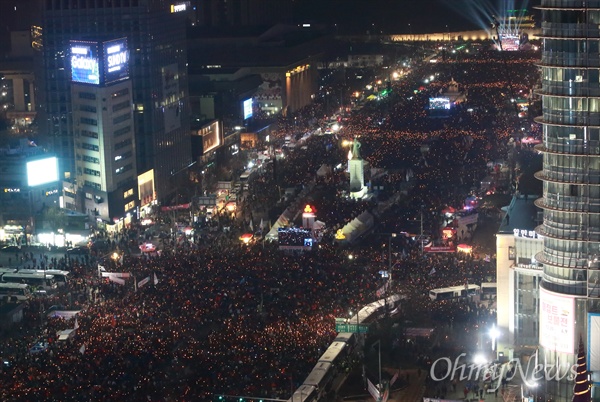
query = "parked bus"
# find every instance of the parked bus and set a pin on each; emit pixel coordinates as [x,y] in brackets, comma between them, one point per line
[61,277]
[306,393]
[335,353]
[19,290]
[247,176]
[454,292]
[488,291]
[40,281]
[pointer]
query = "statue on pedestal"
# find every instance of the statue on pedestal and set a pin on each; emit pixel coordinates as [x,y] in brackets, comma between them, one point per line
[356,149]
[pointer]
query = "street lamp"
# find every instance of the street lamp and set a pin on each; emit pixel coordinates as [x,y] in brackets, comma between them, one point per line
[494,335]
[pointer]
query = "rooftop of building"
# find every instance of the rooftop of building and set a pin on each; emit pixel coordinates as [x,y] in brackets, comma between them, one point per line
[521,213]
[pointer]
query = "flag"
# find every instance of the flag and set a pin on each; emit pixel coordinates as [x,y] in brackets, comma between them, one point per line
[394,378]
[262,225]
[155,279]
[82,349]
[432,271]
[251,226]
[143,282]
[76,323]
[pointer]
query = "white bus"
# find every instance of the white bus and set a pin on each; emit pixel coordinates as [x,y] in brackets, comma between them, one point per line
[247,176]
[40,281]
[454,292]
[61,277]
[488,291]
[19,290]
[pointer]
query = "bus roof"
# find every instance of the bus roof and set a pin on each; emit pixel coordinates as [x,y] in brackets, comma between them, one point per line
[488,285]
[13,285]
[454,289]
[332,352]
[27,275]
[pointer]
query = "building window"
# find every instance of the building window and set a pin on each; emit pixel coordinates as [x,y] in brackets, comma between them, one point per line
[511,253]
[88,108]
[89,134]
[130,205]
[123,169]
[124,155]
[91,122]
[120,93]
[91,159]
[92,184]
[87,95]
[122,118]
[128,193]
[91,147]
[122,144]
[122,131]
[121,106]
[91,172]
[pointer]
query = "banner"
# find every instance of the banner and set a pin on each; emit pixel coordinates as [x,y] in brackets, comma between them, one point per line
[66,314]
[143,282]
[155,279]
[373,390]
[116,274]
[117,280]
[175,207]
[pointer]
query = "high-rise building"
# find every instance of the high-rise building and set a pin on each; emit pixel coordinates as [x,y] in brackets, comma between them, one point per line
[105,166]
[155,31]
[570,289]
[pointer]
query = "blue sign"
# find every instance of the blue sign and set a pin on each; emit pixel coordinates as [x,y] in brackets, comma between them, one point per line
[116,60]
[84,62]
[247,107]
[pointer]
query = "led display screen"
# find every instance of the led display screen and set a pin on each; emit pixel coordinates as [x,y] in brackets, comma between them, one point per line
[247,106]
[85,67]
[116,60]
[439,103]
[42,171]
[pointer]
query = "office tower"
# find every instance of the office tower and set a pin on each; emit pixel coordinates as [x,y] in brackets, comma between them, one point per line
[155,31]
[570,289]
[105,166]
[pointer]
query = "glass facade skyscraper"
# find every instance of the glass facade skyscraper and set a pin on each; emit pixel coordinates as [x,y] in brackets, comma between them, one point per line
[570,289]
[156,35]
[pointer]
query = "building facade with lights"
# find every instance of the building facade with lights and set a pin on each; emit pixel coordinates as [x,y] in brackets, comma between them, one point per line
[518,275]
[570,287]
[158,71]
[105,165]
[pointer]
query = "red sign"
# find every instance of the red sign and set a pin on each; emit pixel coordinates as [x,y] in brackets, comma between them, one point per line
[440,249]
[175,207]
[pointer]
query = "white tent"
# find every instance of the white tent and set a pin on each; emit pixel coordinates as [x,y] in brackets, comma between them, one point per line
[358,226]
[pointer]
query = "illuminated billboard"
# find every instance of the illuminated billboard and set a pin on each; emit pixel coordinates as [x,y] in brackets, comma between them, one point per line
[212,137]
[557,322]
[116,60]
[247,108]
[146,190]
[439,103]
[85,67]
[179,7]
[42,171]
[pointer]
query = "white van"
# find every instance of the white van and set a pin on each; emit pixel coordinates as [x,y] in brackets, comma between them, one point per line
[66,335]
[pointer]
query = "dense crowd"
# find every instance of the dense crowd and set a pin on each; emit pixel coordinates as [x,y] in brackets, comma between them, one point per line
[227,318]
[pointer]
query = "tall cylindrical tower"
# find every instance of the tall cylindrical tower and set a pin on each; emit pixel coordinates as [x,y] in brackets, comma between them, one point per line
[570,92]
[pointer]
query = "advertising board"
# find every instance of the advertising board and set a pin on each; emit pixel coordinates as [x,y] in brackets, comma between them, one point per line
[247,108]
[116,60]
[42,171]
[557,321]
[85,66]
